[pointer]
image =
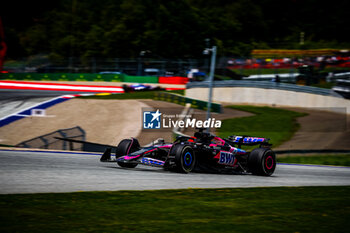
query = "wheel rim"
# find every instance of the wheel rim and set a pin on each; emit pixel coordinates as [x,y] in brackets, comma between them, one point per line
[187,158]
[269,162]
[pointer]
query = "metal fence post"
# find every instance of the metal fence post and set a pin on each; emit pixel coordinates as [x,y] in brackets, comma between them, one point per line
[211,78]
[46,143]
[82,132]
[64,147]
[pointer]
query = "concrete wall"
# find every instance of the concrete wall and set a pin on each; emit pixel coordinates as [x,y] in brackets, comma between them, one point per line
[271,97]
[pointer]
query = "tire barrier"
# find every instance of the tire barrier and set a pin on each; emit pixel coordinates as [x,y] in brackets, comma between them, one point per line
[63,77]
[92,77]
[173,80]
[139,79]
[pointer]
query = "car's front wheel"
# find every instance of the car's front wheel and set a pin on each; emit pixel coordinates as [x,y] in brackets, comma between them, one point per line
[185,158]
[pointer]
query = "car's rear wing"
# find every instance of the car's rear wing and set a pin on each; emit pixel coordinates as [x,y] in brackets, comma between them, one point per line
[249,141]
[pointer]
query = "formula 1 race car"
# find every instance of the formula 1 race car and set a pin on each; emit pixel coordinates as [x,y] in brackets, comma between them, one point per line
[203,152]
[141,87]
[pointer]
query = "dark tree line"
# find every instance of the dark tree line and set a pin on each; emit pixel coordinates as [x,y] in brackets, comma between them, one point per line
[170,28]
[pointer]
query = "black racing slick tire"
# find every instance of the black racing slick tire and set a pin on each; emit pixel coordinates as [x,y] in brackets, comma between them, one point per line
[262,162]
[185,158]
[125,147]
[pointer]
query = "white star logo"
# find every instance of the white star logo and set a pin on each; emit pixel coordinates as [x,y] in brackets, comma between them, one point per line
[156,115]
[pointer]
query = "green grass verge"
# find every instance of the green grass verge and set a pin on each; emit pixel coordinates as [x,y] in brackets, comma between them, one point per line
[338,160]
[324,85]
[301,209]
[277,124]
[222,77]
[130,95]
[5,145]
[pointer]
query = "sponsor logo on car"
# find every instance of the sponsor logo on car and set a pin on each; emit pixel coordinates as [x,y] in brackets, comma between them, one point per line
[226,158]
[249,139]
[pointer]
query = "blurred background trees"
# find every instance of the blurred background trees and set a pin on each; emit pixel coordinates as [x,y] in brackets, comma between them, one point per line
[170,29]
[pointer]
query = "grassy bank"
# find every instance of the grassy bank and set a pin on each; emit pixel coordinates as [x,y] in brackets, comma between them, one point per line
[277,124]
[337,160]
[307,209]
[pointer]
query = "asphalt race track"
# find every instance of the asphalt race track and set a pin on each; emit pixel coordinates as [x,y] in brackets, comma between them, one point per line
[43,172]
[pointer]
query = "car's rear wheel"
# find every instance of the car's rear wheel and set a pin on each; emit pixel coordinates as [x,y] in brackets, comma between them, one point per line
[262,162]
[125,147]
[185,158]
